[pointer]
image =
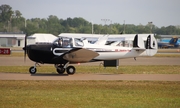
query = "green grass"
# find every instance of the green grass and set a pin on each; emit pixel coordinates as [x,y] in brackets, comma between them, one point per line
[89,94]
[14,54]
[151,69]
[167,55]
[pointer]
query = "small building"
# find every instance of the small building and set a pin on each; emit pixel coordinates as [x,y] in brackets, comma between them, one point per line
[40,38]
[11,40]
[18,40]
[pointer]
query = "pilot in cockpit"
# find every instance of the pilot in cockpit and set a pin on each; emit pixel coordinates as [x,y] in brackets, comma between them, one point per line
[60,42]
[66,43]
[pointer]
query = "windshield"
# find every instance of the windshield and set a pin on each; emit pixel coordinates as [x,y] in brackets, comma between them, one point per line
[66,42]
[63,42]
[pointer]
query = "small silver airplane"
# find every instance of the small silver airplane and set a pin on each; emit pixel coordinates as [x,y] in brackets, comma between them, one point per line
[67,50]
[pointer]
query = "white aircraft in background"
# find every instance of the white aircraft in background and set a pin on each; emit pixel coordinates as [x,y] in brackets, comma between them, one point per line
[111,37]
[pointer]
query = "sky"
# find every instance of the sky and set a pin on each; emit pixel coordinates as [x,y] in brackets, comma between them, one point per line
[160,12]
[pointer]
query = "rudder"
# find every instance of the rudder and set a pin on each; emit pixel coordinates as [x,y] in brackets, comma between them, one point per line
[151,46]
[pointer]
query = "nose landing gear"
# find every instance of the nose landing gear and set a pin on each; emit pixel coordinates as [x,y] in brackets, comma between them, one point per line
[33,69]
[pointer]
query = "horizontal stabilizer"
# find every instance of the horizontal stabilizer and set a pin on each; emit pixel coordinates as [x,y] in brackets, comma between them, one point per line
[139,48]
[80,55]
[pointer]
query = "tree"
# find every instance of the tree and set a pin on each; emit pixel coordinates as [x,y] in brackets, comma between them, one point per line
[171,30]
[17,14]
[13,21]
[97,29]
[54,25]
[5,16]
[5,13]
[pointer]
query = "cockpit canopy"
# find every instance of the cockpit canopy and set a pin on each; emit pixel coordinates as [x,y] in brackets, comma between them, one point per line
[67,42]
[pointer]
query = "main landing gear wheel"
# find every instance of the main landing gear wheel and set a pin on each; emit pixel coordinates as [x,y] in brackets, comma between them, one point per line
[32,70]
[71,70]
[60,69]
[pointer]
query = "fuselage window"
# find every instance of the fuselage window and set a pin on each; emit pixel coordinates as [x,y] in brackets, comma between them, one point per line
[78,42]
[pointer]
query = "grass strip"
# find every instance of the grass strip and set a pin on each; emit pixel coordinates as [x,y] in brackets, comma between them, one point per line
[14,54]
[151,69]
[167,55]
[89,94]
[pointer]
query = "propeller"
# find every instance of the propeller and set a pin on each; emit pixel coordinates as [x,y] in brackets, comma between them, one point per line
[25,47]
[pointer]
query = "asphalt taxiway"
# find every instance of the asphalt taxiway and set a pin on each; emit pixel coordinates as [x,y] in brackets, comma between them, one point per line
[19,61]
[107,77]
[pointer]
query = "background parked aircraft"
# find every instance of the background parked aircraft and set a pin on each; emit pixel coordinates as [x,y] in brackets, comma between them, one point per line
[173,43]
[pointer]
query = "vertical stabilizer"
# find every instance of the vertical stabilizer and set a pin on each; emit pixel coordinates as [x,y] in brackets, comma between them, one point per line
[173,41]
[135,42]
[148,42]
[138,43]
[151,46]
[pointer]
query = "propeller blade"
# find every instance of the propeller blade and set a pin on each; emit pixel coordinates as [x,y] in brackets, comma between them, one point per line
[25,48]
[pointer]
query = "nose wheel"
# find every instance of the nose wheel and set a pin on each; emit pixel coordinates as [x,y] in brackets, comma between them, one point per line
[32,70]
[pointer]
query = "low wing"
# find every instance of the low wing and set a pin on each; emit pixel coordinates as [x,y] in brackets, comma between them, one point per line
[80,55]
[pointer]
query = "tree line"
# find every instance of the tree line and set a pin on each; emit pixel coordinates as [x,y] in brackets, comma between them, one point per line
[13,21]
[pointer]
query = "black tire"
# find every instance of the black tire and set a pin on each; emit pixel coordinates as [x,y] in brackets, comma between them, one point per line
[71,70]
[60,71]
[32,70]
